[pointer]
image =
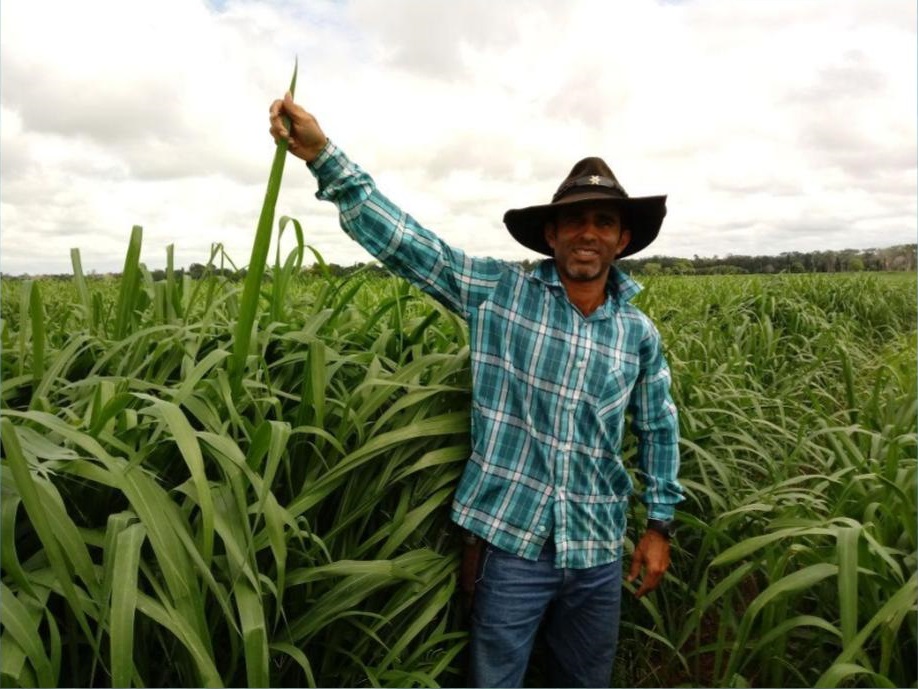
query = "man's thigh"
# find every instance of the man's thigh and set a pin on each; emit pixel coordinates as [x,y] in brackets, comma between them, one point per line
[511,597]
[582,627]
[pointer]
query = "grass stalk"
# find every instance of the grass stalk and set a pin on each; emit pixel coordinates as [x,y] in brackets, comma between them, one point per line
[252,287]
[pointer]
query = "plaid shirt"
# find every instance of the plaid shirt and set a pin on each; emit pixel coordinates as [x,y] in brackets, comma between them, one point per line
[550,387]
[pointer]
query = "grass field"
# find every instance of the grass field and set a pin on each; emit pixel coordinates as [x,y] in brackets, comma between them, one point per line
[180,512]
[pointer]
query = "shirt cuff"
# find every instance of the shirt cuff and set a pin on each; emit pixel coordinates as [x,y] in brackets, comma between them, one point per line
[662,512]
[316,167]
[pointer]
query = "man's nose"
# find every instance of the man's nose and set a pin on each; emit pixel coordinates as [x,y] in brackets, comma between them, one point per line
[588,227]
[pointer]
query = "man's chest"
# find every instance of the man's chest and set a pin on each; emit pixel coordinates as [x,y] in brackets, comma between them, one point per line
[531,335]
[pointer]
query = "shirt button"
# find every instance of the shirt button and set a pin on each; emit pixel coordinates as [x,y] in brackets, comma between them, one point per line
[561,493]
[570,406]
[581,363]
[541,529]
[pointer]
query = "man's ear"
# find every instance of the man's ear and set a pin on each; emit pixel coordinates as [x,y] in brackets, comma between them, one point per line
[623,241]
[551,233]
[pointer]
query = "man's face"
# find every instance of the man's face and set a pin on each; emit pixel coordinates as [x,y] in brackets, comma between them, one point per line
[586,239]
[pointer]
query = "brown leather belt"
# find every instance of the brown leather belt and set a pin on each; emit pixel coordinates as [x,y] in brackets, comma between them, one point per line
[472,547]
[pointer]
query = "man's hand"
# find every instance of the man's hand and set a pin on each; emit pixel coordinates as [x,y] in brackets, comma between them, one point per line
[305,139]
[652,556]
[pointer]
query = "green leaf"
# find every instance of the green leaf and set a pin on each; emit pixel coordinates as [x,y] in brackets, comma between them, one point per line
[299,657]
[255,638]
[748,546]
[839,672]
[795,581]
[130,285]
[187,442]
[847,580]
[37,315]
[18,622]
[36,510]
[124,603]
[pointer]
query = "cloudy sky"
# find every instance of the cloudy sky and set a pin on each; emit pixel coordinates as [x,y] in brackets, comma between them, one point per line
[772,126]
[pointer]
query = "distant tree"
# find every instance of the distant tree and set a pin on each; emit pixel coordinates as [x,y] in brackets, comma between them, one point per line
[652,269]
[910,251]
[683,267]
[727,269]
[527,265]
[827,262]
[856,264]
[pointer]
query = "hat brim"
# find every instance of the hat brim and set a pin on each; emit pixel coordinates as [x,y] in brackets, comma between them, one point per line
[642,215]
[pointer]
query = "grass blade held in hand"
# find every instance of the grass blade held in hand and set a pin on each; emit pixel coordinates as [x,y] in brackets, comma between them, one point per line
[250,291]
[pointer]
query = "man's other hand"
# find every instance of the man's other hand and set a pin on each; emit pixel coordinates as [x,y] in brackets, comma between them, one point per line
[652,556]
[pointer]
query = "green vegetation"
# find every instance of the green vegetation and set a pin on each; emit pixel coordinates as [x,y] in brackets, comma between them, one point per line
[160,528]
[796,559]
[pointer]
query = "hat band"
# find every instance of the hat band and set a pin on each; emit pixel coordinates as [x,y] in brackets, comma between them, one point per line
[590,181]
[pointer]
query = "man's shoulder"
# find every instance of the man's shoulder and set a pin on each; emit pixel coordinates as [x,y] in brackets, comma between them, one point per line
[641,320]
[517,272]
[493,269]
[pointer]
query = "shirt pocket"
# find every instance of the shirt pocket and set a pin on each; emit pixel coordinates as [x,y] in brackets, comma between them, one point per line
[621,377]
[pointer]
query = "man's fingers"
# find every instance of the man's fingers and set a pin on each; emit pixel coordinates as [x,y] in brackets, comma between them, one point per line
[279,134]
[277,130]
[648,583]
[296,113]
[637,559]
[650,580]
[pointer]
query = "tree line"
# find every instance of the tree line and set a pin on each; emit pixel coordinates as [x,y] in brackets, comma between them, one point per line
[901,257]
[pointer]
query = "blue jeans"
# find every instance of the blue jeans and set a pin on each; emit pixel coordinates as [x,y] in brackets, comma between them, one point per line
[512,596]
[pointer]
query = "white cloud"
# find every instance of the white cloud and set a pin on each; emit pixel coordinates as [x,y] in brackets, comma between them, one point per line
[772,126]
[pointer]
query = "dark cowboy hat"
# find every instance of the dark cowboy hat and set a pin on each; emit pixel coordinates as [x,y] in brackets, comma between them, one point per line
[590,180]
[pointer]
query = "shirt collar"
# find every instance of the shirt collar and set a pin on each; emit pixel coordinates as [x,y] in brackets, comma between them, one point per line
[620,286]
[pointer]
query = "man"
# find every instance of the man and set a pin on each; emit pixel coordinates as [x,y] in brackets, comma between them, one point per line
[558,356]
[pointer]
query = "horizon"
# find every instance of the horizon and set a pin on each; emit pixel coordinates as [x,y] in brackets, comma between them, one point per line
[538,257]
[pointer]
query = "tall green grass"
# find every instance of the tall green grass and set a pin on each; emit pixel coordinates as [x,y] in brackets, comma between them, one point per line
[288,534]
[795,564]
[296,533]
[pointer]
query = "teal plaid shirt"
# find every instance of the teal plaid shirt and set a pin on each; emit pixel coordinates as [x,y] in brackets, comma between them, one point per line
[550,387]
